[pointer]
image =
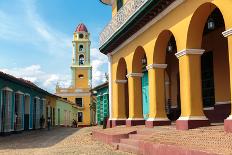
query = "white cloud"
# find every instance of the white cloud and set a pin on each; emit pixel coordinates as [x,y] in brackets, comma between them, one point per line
[35,74]
[99,63]
[29,28]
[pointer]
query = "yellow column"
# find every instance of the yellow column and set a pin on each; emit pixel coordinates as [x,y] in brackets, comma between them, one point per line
[228,121]
[157,114]
[135,100]
[119,108]
[120,99]
[192,115]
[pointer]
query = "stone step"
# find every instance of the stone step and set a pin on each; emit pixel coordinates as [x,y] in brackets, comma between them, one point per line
[138,136]
[133,142]
[129,148]
[145,132]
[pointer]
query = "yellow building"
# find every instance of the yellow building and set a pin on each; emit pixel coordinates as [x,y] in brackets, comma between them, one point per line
[79,91]
[185,48]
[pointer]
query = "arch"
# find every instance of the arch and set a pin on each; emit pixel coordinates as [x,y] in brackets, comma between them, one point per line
[122,96]
[137,65]
[196,25]
[81,48]
[161,46]
[81,59]
[121,69]
[167,88]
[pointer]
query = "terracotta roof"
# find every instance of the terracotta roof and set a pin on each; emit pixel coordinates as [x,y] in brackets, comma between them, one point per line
[101,86]
[81,28]
[23,82]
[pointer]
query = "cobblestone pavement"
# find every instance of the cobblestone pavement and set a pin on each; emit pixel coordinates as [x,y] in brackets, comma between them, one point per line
[57,141]
[210,139]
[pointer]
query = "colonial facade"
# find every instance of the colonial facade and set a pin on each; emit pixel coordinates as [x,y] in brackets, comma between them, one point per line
[22,104]
[169,60]
[79,92]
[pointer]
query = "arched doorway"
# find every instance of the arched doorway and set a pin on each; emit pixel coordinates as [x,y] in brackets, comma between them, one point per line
[201,64]
[215,69]
[122,101]
[207,34]
[163,81]
[135,88]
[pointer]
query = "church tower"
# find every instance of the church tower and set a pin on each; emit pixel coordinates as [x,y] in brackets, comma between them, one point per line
[81,68]
[80,90]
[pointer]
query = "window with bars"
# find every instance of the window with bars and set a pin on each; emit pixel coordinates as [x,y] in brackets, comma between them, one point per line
[80,116]
[18,114]
[6,110]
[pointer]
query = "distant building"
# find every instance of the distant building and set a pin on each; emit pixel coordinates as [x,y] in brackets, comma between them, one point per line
[102,102]
[79,92]
[25,106]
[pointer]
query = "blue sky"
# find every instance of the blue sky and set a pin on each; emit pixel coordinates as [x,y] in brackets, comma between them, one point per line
[36,35]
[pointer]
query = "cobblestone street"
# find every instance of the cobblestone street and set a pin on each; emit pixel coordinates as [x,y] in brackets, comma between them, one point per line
[56,141]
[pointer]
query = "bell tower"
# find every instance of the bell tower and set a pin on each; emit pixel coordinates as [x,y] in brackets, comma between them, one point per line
[81,67]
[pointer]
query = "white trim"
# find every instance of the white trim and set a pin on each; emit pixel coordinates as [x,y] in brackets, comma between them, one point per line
[192,118]
[19,92]
[27,94]
[37,97]
[139,119]
[224,102]
[227,33]
[120,81]
[208,108]
[118,119]
[189,51]
[7,89]
[44,99]
[158,119]
[148,25]
[73,94]
[134,75]
[156,66]
[110,84]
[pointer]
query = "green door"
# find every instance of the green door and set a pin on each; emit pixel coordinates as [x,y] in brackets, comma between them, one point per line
[145,91]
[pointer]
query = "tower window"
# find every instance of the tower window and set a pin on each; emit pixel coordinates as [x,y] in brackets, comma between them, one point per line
[81,48]
[81,36]
[80,116]
[81,60]
[119,4]
[81,76]
[79,102]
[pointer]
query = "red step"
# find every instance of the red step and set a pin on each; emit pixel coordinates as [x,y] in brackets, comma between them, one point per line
[129,148]
[132,142]
[137,136]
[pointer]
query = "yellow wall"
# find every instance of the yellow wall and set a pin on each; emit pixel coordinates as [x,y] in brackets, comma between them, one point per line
[184,25]
[85,109]
[82,82]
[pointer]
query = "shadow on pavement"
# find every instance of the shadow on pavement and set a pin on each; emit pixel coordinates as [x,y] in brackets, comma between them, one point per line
[36,138]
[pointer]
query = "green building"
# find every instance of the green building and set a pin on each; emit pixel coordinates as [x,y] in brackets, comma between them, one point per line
[22,104]
[66,112]
[102,102]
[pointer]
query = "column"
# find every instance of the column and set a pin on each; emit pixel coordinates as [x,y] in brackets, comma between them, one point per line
[109,122]
[120,107]
[192,115]
[135,100]
[157,114]
[228,121]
